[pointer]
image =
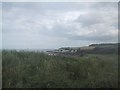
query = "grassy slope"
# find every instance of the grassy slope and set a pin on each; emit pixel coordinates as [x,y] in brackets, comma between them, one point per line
[30,69]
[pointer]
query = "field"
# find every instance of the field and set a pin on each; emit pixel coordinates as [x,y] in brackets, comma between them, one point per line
[37,70]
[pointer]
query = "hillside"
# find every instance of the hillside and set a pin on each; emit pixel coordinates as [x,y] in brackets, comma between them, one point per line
[107,48]
[85,67]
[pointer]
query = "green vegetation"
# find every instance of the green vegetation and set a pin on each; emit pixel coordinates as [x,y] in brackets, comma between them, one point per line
[38,70]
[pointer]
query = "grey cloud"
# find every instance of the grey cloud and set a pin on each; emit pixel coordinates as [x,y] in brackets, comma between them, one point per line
[89,19]
[49,25]
[99,13]
[98,38]
[104,5]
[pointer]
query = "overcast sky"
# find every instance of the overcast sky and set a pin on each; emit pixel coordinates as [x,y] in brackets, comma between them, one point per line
[53,25]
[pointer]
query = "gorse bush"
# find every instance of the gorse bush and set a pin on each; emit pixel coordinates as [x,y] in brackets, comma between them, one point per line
[34,69]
